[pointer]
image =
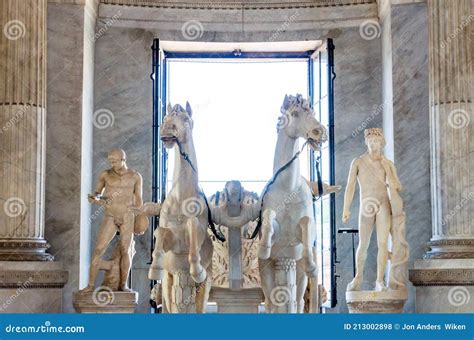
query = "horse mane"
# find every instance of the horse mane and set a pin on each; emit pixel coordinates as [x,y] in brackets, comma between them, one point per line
[297,101]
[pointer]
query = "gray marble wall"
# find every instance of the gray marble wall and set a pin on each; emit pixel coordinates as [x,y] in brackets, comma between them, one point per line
[411,124]
[357,105]
[123,95]
[68,148]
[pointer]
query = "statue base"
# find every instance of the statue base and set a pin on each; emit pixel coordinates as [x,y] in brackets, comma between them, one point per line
[105,301]
[31,286]
[379,302]
[245,300]
[443,285]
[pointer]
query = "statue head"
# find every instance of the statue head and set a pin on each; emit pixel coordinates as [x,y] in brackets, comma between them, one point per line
[177,125]
[374,139]
[297,120]
[117,159]
[234,191]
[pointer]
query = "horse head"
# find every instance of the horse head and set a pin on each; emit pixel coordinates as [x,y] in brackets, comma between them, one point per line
[177,125]
[298,120]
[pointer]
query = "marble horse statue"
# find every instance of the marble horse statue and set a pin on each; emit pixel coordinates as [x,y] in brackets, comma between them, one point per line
[183,249]
[287,256]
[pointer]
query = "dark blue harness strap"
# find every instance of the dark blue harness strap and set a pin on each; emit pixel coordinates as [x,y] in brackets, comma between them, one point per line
[210,223]
[272,180]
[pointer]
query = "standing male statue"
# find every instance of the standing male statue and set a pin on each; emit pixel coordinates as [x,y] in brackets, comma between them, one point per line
[378,185]
[119,188]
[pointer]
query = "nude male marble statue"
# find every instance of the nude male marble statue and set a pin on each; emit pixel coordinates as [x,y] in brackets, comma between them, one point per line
[118,189]
[378,184]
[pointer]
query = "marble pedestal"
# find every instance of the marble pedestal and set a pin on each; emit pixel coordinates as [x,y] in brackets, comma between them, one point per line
[364,302]
[105,301]
[444,285]
[31,287]
[246,300]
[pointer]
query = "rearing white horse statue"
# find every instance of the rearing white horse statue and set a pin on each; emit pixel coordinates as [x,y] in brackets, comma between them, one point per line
[183,249]
[286,248]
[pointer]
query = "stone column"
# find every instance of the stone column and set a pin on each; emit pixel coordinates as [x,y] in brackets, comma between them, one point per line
[30,281]
[452,130]
[22,130]
[444,280]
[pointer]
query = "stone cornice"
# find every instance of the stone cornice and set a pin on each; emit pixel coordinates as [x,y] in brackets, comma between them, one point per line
[223,4]
[27,279]
[441,277]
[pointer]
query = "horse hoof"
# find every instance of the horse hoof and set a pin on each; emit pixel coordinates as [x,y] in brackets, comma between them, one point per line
[201,277]
[264,252]
[155,274]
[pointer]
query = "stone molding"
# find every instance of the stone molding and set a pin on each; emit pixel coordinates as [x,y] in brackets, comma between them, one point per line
[442,277]
[28,279]
[450,249]
[25,251]
[226,5]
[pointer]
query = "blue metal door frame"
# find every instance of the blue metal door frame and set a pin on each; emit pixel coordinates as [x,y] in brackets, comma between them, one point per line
[160,92]
[316,98]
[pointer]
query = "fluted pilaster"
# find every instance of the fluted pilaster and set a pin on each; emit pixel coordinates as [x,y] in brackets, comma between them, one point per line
[22,129]
[452,132]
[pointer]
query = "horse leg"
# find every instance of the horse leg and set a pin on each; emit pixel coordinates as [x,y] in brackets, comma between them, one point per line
[301,285]
[307,239]
[183,293]
[265,244]
[156,271]
[265,268]
[283,295]
[196,236]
